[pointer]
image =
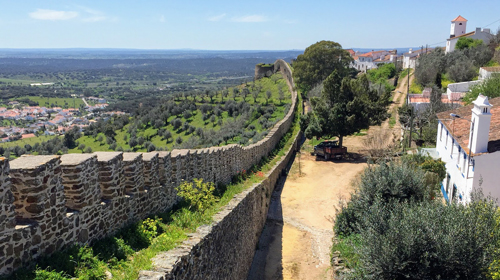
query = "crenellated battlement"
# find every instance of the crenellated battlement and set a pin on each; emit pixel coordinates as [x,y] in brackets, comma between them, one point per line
[49,202]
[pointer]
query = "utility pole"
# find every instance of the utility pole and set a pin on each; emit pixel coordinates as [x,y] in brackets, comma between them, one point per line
[408,85]
[411,128]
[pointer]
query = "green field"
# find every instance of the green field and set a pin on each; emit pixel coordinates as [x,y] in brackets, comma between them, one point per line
[31,141]
[17,81]
[150,133]
[57,101]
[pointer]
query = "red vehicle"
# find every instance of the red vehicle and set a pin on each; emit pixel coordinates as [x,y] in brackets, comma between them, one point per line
[329,149]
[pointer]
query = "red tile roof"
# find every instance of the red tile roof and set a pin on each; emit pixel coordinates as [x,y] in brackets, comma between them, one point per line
[464,35]
[459,18]
[459,128]
[424,99]
[351,52]
[492,68]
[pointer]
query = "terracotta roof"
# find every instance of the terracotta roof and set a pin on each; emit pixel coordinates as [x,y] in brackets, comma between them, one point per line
[424,99]
[459,128]
[459,18]
[372,53]
[351,52]
[492,69]
[464,35]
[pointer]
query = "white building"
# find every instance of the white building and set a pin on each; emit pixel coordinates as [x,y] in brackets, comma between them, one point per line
[410,58]
[421,101]
[370,60]
[456,91]
[469,144]
[487,72]
[459,30]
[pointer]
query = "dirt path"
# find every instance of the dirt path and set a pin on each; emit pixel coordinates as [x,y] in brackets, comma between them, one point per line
[296,240]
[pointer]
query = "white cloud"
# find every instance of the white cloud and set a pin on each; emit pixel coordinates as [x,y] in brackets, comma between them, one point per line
[44,14]
[92,15]
[217,18]
[95,18]
[251,18]
[162,18]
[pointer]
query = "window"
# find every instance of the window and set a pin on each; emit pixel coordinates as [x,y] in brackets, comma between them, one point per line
[460,24]
[458,156]
[448,179]
[454,194]
[441,132]
[446,139]
[452,144]
[464,163]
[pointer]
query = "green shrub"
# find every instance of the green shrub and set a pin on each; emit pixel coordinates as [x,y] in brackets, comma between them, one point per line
[488,88]
[112,249]
[387,183]
[150,228]
[385,72]
[199,196]
[428,240]
[416,87]
[48,275]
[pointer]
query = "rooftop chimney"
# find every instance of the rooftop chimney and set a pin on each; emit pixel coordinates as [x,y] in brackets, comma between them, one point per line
[480,125]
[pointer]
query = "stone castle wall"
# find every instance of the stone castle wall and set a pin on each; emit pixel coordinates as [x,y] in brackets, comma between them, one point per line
[49,202]
[262,71]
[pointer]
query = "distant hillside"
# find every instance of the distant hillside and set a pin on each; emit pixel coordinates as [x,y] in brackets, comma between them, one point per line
[147,54]
[400,50]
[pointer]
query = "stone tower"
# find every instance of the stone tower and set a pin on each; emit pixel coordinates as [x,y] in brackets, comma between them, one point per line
[458,26]
[480,126]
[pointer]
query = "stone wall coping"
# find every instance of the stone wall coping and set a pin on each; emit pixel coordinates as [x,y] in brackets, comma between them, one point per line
[149,156]
[31,162]
[75,159]
[180,152]
[131,156]
[214,149]
[107,156]
[163,154]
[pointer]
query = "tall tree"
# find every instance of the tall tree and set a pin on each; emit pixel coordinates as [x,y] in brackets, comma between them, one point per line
[318,62]
[345,107]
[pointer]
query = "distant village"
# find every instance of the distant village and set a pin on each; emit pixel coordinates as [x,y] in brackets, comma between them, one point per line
[49,121]
[455,91]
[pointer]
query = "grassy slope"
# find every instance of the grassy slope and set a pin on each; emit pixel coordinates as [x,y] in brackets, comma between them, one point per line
[196,120]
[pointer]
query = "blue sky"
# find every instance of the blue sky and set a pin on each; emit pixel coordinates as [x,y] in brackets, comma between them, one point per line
[235,25]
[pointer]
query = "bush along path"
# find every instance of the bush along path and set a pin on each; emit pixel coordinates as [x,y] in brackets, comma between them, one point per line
[396,227]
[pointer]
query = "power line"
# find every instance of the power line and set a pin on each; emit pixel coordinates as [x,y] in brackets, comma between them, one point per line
[437,43]
[492,23]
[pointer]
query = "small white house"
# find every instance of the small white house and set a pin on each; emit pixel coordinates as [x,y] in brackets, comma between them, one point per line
[468,141]
[370,60]
[456,91]
[410,58]
[459,30]
[487,72]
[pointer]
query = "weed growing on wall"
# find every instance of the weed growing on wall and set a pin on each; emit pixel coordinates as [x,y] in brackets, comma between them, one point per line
[199,196]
